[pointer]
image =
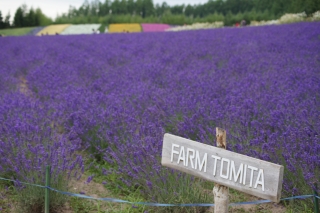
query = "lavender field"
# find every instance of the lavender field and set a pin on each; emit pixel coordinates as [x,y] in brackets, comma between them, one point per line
[69,101]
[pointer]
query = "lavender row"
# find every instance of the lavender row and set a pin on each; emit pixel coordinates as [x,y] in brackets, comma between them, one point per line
[118,94]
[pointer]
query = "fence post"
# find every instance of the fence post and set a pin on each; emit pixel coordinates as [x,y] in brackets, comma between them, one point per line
[46,207]
[220,192]
[316,204]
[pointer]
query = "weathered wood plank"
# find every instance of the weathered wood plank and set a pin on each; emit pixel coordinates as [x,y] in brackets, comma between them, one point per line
[249,175]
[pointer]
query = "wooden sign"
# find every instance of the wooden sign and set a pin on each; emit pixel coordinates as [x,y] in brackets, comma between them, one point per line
[246,174]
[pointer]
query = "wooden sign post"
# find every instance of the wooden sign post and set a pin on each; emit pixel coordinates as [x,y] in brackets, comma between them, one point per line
[220,192]
[225,168]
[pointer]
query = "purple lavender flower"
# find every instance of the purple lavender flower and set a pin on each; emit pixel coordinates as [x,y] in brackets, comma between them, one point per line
[116,101]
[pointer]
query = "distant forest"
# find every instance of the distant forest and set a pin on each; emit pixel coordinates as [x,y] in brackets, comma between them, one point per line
[228,11]
[145,11]
[25,17]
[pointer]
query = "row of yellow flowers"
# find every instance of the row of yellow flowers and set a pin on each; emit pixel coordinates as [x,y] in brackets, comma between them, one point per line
[120,28]
[113,28]
[53,29]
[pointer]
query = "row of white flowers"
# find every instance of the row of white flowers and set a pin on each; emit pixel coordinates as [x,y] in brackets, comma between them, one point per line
[81,29]
[289,18]
[316,16]
[260,23]
[197,26]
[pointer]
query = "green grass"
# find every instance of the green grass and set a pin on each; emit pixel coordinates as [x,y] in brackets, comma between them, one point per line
[7,194]
[8,199]
[16,31]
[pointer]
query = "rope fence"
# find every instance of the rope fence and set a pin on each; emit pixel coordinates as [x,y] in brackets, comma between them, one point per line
[315,196]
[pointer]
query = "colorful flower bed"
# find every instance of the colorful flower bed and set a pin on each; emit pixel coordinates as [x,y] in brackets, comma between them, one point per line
[197,26]
[288,18]
[80,29]
[291,18]
[53,29]
[154,27]
[35,31]
[316,16]
[261,23]
[116,101]
[124,28]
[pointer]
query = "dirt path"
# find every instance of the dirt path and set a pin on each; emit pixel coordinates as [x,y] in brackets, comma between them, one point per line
[23,86]
[92,189]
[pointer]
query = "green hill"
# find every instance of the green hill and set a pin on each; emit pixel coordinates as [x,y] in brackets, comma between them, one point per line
[16,31]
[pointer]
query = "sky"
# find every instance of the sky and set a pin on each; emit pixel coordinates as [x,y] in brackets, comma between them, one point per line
[53,7]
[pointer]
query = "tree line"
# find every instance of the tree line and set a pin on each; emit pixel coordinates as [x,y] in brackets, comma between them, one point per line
[139,11]
[4,22]
[146,8]
[228,11]
[25,17]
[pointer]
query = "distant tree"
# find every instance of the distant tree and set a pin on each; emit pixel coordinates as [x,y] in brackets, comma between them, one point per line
[24,9]
[121,11]
[7,20]
[165,7]
[131,7]
[18,20]
[147,8]
[309,6]
[31,18]
[261,5]
[139,7]
[189,10]
[72,12]
[104,8]
[41,19]
[94,8]
[178,9]
[277,7]
[115,7]
[84,9]
[1,21]
[199,11]
[122,7]
[157,10]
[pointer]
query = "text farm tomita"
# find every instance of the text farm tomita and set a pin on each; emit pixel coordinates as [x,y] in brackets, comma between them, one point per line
[191,156]
[243,173]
